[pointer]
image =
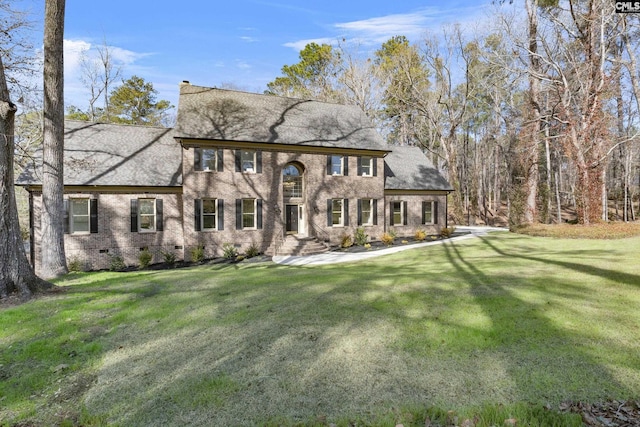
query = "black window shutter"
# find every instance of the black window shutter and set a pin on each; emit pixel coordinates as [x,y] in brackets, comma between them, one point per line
[197,204]
[238,165]
[329,164]
[375,166]
[424,207]
[375,212]
[329,212]
[391,213]
[404,213]
[93,215]
[359,166]
[66,216]
[259,214]
[345,165]
[197,158]
[134,215]
[359,211]
[238,214]
[435,212]
[259,161]
[159,216]
[345,208]
[220,159]
[220,213]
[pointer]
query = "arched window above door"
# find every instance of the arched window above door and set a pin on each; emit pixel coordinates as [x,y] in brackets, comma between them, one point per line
[292,181]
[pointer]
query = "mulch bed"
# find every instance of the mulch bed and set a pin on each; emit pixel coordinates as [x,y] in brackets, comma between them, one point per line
[399,241]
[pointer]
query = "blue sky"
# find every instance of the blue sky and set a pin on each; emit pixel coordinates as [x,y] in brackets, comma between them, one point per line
[243,42]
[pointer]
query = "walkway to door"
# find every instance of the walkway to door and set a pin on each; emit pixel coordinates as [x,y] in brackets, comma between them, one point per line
[337,257]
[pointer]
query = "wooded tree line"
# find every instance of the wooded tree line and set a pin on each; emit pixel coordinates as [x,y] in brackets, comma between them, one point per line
[537,113]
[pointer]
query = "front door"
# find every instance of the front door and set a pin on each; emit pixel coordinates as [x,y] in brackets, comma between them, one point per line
[291,213]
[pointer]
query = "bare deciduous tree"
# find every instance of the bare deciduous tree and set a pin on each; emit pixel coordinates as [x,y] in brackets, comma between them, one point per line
[16,274]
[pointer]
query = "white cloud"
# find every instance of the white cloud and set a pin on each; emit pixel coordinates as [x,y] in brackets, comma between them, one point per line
[75,92]
[413,25]
[243,65]
[249,39]
[300,44]
[381,28]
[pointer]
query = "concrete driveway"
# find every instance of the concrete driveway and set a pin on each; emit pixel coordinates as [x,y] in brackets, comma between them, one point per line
[336,257]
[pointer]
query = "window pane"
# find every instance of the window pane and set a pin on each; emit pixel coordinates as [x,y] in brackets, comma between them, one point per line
[147,215]
[80,207]
[248,213]
[397,213]
[208,214]
[80,224]
[336,211]
[209,222]
[366,166]
[147,222]
[336,165]
[428,213]
[208,206]
[79,215]
[247,159]
[292,186]
[291,171]
[209,159]
[366,211]
[147,206]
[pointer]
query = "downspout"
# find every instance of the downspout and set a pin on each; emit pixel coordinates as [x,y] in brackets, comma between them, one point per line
[446,210]
[32,253]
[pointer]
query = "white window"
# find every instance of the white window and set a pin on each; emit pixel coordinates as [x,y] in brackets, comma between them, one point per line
[337,165]
[292,181]
[337,212]
[146,215]
[428,212]
[249,213]
[79,218]
[209,214]
[205,159]
[366,167]
[398,213]
[366,212]
[248,161]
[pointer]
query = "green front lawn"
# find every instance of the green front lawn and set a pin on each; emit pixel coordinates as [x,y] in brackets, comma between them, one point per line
[497,327]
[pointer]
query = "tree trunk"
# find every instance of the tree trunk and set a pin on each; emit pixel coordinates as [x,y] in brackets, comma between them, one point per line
[531,151]
[16,275]
[558,202]
[54,262]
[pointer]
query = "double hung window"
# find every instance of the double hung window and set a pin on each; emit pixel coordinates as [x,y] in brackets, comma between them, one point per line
[207,159]
[337,212]
[79,218]
[398,213]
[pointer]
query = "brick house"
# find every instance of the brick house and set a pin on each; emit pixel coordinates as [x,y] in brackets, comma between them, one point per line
[244,169]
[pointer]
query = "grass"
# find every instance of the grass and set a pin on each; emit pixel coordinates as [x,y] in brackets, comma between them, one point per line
[486,330]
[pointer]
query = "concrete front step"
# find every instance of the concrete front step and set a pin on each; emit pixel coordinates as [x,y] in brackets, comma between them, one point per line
[294,245]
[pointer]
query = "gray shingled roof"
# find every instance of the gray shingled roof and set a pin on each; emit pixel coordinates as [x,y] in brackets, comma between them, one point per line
[407,168]
[208,113]
[115,155]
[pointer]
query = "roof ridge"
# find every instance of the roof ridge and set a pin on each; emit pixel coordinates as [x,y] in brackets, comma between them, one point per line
[265,95]
[117,124]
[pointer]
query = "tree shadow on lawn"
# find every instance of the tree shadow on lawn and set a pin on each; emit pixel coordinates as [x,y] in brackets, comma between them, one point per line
[333,341]
[617,276]
[565,369]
